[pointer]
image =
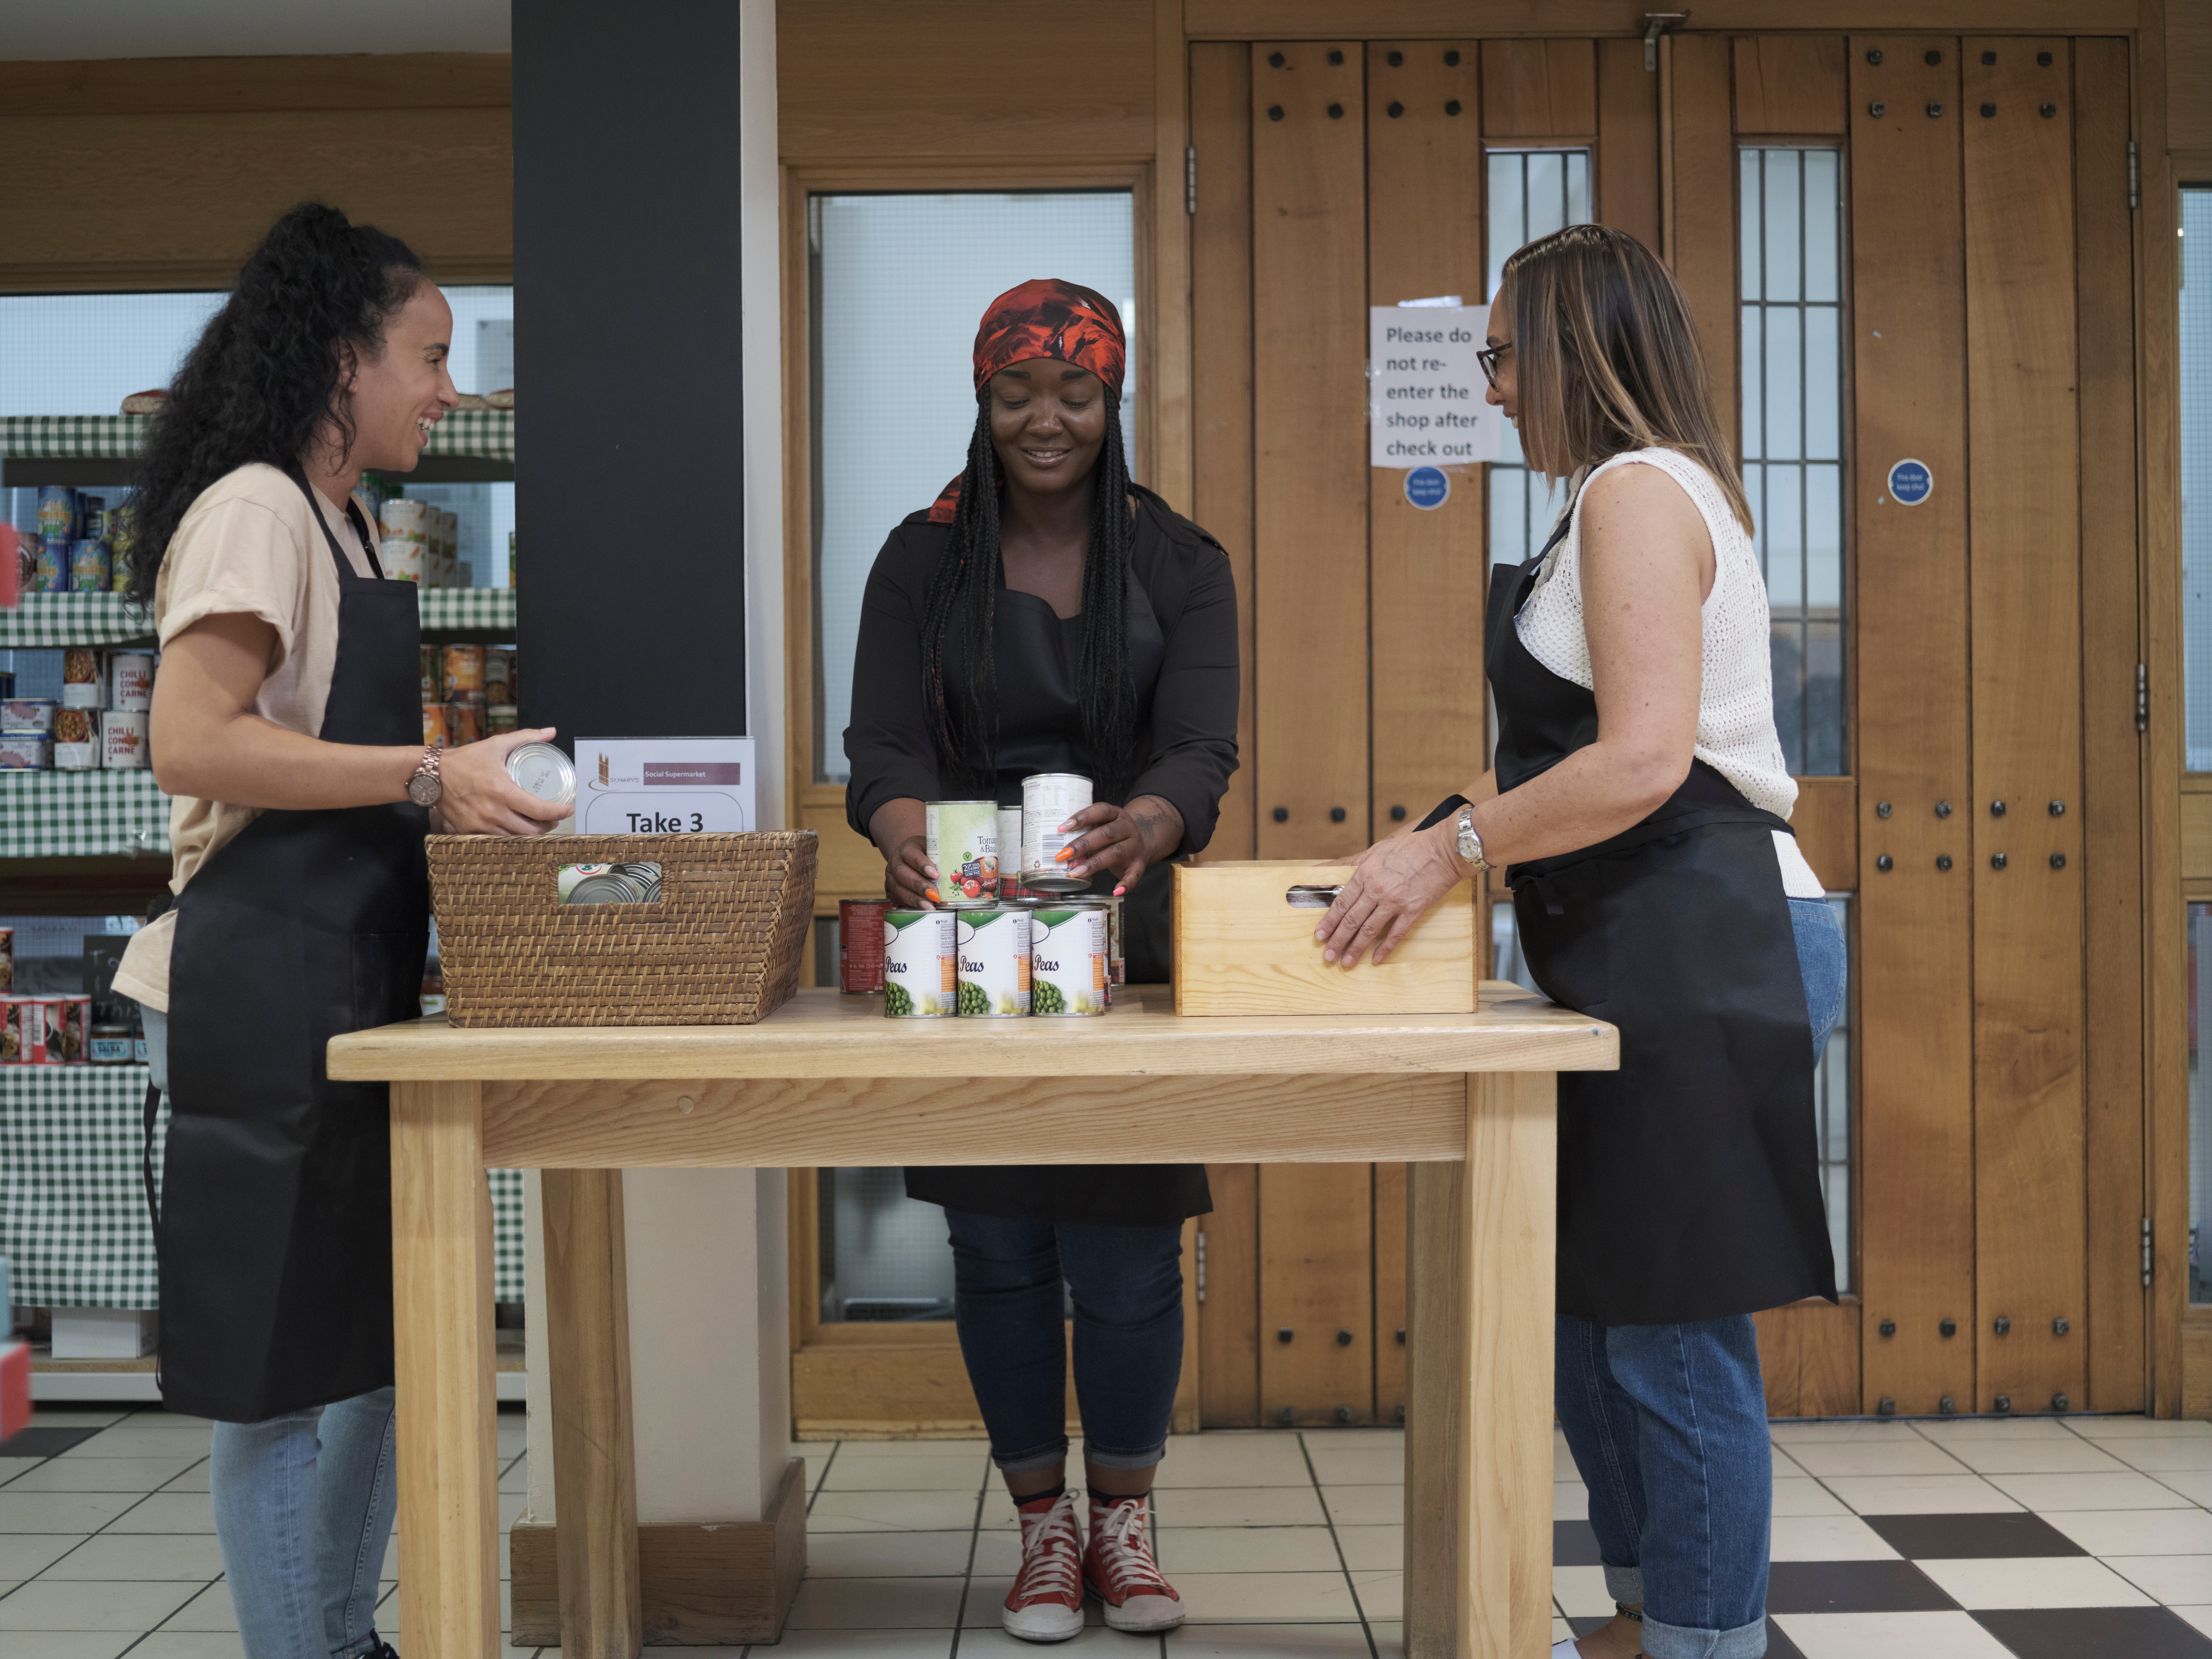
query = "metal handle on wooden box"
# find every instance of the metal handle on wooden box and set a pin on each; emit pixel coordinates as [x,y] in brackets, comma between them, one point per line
[1312,898]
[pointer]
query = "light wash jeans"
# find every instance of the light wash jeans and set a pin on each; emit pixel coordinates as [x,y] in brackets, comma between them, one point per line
[1667,1426]
[303,1507]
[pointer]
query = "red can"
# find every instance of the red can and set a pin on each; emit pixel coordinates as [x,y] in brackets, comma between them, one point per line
[860,947]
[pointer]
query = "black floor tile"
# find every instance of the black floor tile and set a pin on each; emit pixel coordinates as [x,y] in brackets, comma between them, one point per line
[44,1443]
[1574,1544]
[1853,1587]
[1971,1537]
[1778,1646]
[2096,1633]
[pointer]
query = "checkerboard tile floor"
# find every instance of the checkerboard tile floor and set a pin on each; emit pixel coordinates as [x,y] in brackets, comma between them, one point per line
[1967,1539]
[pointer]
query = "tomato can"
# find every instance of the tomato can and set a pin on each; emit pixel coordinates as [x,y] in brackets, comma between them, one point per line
[994,963]
[1048,800]
[962,839]
[1068,958]
[130,680]
[84,686]
[860,947]
[921,972]
[123,735]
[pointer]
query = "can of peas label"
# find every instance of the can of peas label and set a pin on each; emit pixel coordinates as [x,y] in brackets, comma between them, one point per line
[994,963]
[1048,800]
[919,964]
[1068,958]
[962,839]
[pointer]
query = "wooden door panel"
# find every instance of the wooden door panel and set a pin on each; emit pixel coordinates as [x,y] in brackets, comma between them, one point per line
[1316,1302]
[1700,206]
[1309,519]
[1390,1223]
[1426,569]
[1221,374]
[1914,963]
[1539,89]
[2112,793]
[2024,613]
[1790,85]
[1627,160]
[1227,1332]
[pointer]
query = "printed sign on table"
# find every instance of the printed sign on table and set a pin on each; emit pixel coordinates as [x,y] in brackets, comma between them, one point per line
[1425,389]
[663,785]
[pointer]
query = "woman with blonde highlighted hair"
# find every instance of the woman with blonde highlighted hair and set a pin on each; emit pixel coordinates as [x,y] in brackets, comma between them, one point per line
[1640,804]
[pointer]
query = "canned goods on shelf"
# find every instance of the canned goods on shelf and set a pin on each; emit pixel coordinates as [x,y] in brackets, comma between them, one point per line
[28,716]
[402,559]
[122,734]
[21,753]
[76,740]
[88,567]
[465,722]
[110,1043]
[404,520]
[435,733]
[84,683]
[920,964]
[50,573]
[962,839]
[57,513]
[465,669]
[130,680]
[500,717]
[7,959]
[994,963]
[1048,800]
[433,674]
[860,947]
[543,770]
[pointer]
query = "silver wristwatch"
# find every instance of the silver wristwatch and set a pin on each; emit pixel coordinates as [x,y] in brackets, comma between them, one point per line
[424,787]
[1470,844]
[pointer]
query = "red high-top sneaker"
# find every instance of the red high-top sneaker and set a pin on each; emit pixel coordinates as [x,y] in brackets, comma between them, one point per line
[1046,1603]
[1119,1569]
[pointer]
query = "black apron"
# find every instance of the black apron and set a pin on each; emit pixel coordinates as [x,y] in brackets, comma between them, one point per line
[1689,1179]
[275,1224]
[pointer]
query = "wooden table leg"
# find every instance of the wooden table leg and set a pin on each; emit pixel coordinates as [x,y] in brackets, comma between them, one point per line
[441,1262]
[594,1465]
[1479,1411]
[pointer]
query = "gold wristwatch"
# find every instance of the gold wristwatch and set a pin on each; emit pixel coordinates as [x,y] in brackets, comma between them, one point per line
[424,787]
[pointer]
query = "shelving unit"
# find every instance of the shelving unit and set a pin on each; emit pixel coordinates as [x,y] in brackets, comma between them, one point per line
[72,1205]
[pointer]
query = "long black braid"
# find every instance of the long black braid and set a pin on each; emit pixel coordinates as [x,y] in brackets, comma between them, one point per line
[966,583]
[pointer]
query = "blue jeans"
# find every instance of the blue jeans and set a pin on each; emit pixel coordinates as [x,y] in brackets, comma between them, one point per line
[1126,1283]
[1668,1426]
[303,1507]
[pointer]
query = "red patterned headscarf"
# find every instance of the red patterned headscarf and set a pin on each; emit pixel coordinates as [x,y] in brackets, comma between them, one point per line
[1044,318]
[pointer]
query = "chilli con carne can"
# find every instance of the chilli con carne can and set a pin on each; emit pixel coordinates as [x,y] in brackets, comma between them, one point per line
[860,947]
[1048,800]
[962,839]
[1067,959]
[130,680]
[994,963]
[920,964]
[123,740]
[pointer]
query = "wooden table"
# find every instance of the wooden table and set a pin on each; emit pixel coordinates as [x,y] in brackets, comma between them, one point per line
[1468,1098]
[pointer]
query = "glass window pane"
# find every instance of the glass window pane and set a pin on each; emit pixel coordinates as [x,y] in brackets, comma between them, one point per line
[1509,213]
[1824,209]
[1754,405]
[1785,384]
[1547,193]
[1782,537]
[2196,379]
[1824,541]
[1531,194]
[901,280]
[1784,204]
[1786,656]
[1750,283]
[1509,514]
[1579,200]
[1824,389]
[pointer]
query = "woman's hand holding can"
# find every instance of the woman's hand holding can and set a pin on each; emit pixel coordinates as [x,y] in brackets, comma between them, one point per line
[478,798]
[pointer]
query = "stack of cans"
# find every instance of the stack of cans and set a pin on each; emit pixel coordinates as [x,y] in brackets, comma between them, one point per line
[80,545]
[99,721]
[468,693]
[609,884]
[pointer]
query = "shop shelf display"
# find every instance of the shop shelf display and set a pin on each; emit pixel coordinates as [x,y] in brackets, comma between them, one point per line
[82,815]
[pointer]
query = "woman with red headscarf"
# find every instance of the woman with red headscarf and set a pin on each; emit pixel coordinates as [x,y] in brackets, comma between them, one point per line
[1048,615]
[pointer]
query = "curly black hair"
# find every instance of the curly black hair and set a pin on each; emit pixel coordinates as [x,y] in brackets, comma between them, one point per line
[260,382]
[964,591]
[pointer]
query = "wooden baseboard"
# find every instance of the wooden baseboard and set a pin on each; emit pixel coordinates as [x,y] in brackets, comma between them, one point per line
[716,1583]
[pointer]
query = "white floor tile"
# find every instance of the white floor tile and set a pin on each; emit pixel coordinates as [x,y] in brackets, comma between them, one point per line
[1793,1433]
[1922,1494]
[2140,1428]
[191,1555]
[2164,1456]
[2199,1616]
[190,1644]
[2044,1493]
[1888,1454]
[849,1644]
[1392,1437]
[819,1452]
[2037,1455]
[986,1605]
[130,1442]
[875,1604]
[1366,1506]
[1803,1495]
[852,1472]
[1827,1537]
[27,1554]
[998,1554]
[1094,1639]
[211,1610]
[891,1511]
[60,1511]
[1381,1592]
[67,1644]
[1215,1598]
[2194,1485]
[1259,1641]
[132,1474]
[1890,1635]
[1236,1460]
[2137,1532]
[1580,1592]
[1372,1547]
[194,1478]
[57,1417]
[2059,1581]
[1569,1501]
[887,1555]
[1247,1549]
[1260,1506]
[167,1511]
[41,1605]
[1361,1467]
[2176,1580]
[1961,1430]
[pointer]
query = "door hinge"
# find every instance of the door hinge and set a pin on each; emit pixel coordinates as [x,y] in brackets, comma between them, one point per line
[1201,1264]
[2142,697]
[1190,179]
[2135,176]
[2146,1252]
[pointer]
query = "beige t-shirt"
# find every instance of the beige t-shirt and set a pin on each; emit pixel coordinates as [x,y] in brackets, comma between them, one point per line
[247,546]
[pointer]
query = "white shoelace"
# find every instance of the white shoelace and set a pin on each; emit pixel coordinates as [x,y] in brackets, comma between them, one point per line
[1052,1553]
[1126,1554]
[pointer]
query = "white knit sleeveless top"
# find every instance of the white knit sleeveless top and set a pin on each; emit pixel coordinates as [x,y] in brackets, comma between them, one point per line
[1735,689]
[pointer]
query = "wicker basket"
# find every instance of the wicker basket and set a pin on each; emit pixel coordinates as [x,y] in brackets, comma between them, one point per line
[720,946]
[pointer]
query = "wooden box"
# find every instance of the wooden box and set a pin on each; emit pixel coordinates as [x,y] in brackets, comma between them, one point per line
[1241,947]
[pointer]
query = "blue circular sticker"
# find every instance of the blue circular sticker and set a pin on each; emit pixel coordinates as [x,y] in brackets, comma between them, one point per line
[1427,488]
[1910,483]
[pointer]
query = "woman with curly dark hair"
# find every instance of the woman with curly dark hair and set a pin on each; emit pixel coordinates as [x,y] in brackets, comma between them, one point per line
[286,723]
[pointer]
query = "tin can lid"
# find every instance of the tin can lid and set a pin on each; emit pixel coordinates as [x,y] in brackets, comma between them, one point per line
[543,770]
[1055,777]
[992,803]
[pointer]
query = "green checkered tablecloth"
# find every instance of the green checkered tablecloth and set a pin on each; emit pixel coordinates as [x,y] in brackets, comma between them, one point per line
[474,608]
[45,621]
[73,1205]
[485,434]
[45,815]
